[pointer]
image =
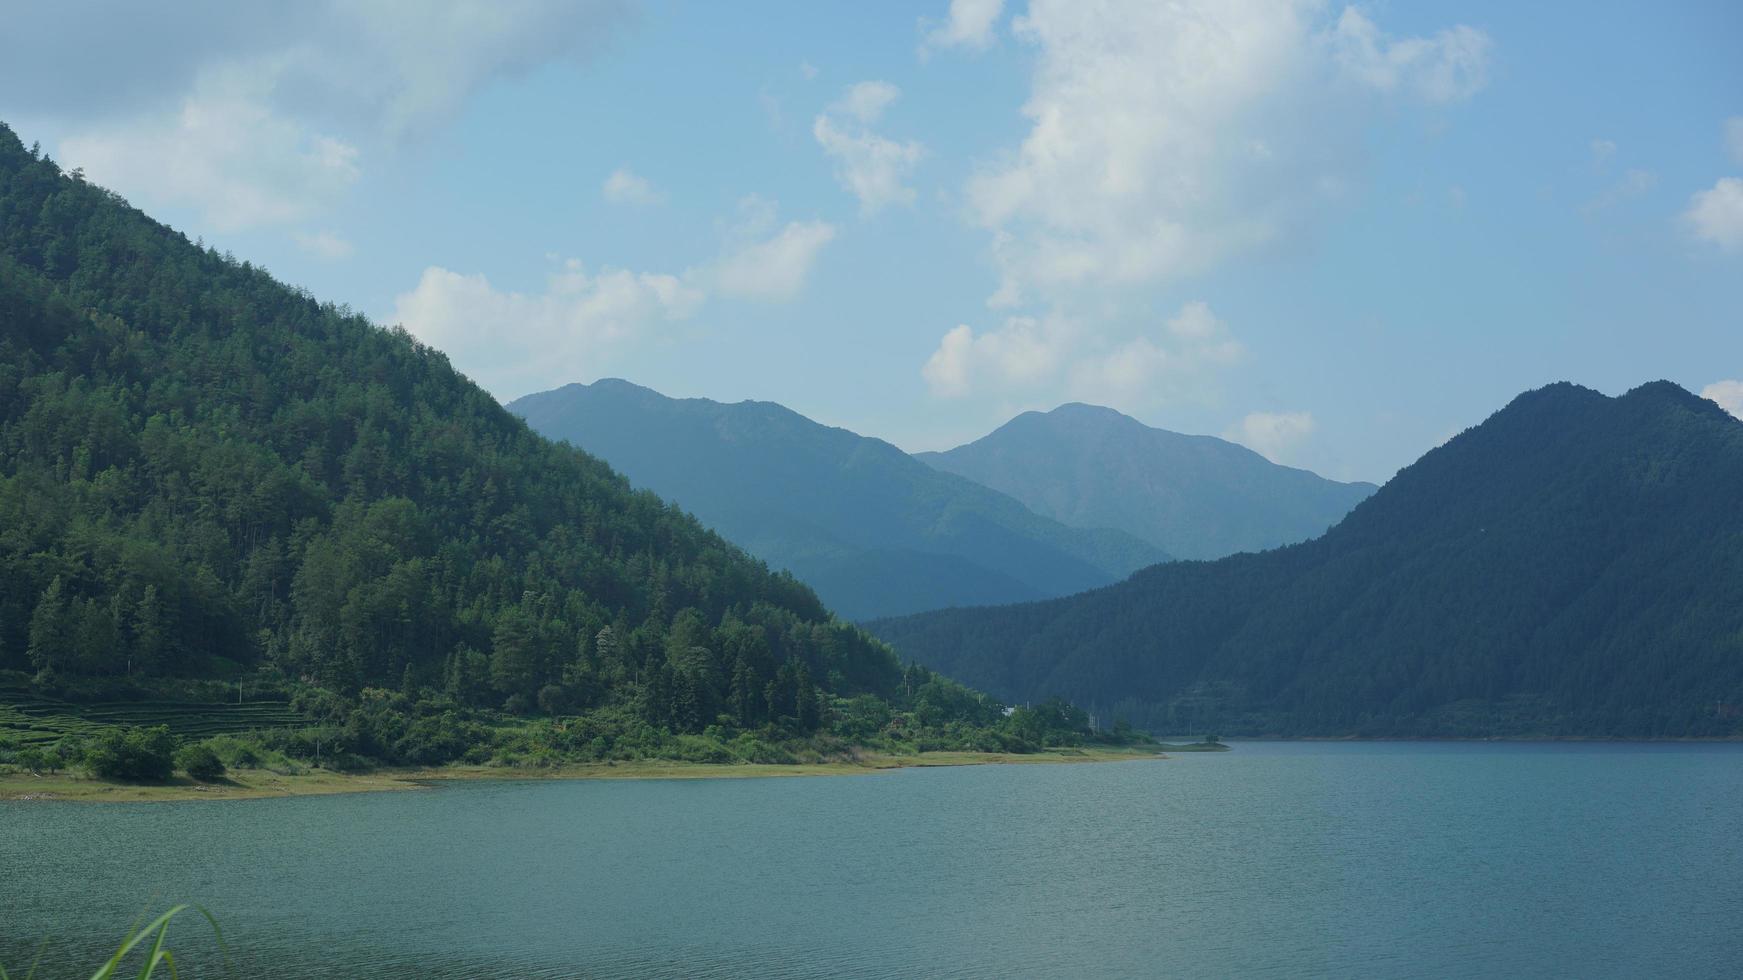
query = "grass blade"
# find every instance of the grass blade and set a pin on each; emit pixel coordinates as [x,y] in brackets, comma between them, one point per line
[223,950]
[134,938]
[156,955]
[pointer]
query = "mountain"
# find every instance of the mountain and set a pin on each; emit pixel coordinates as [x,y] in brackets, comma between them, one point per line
[205,474]
[874,531]
[1572,566]
[1193,496]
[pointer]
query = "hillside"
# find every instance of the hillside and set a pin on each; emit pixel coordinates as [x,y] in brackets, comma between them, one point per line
[873,531]
[1574,565]
[1192,496]
[208,476]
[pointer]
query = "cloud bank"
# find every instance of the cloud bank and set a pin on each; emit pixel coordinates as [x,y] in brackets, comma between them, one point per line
[261,115]
[1729,395]
[1166,138]
[582,322]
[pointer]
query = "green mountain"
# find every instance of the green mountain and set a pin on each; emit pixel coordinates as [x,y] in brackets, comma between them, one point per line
[875,532]
[1572,566]
[205,474]
[1193,496]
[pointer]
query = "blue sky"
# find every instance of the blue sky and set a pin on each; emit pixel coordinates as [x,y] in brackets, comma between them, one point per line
[1337,233]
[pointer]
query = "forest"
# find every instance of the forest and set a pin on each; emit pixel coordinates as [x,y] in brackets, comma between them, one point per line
[1571,567]
[214,485]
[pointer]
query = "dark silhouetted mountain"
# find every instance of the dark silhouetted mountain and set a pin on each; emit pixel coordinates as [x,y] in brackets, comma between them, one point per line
[1192,496]
[873,530]
[1574,565]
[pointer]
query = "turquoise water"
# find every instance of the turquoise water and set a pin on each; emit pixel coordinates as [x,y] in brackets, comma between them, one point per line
[1276,859]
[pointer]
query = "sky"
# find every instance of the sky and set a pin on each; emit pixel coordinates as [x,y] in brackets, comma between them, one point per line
[1339,234]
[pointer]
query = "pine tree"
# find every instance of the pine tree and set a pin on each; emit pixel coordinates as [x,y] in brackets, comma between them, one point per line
[51,631]
[147,649]
[805,704]
[744,694]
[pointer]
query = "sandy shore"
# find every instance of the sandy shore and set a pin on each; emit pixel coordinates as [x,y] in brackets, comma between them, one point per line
[245,784]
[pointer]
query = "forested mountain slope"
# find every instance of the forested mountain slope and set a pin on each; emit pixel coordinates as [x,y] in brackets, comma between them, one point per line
[875,532]
[1193,496]
[207,474]
[1574,565]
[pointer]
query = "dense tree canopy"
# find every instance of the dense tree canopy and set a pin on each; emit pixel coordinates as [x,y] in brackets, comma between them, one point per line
[207,474]
[1572,566]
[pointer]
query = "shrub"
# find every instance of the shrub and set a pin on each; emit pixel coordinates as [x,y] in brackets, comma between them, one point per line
[235,752]
[133,754]
[32,760]
[199,761]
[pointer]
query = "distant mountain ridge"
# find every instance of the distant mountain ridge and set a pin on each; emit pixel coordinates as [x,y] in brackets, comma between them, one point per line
[1572,566]
[873,530]
[1193,496]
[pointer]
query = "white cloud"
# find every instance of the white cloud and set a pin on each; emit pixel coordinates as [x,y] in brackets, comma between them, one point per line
[1716,215]
[1190,343]
[1633,184]
[1729,395]
[512,343]
[1166,137]
[324,244]
[1734,138]
[1023,351]
[223,152]
[762,259]
[627,187]
[1055,354]
[1602,151]
[1449,67]
[873,167]
[1273,435]
[969,24]
[265,117]
[774,268]
[865,102]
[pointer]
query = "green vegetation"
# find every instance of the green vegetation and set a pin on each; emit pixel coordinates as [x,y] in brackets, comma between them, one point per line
[388,727]
[1194,496]
[151,957]
[200,761]
[140,755]
[873,530]
[1573,566]
[214,488]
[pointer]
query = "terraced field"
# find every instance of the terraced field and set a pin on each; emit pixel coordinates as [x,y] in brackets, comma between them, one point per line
[35,720]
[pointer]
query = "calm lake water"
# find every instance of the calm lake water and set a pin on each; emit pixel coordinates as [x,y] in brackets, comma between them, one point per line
[1276,859]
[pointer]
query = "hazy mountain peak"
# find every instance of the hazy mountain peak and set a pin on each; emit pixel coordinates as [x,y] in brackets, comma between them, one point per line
[1195,496]
[876,531]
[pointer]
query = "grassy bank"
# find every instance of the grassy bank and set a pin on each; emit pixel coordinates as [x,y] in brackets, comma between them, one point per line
[262,783]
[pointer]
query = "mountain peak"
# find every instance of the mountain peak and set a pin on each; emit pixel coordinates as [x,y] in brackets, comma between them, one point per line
[1195,496]
[1672,394]
[1086,410]
[875,530]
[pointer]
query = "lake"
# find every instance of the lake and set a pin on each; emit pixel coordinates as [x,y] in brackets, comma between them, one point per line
[1276,859]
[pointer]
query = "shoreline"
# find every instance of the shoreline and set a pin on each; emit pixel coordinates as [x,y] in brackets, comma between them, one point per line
[256,784]
[1601,739]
